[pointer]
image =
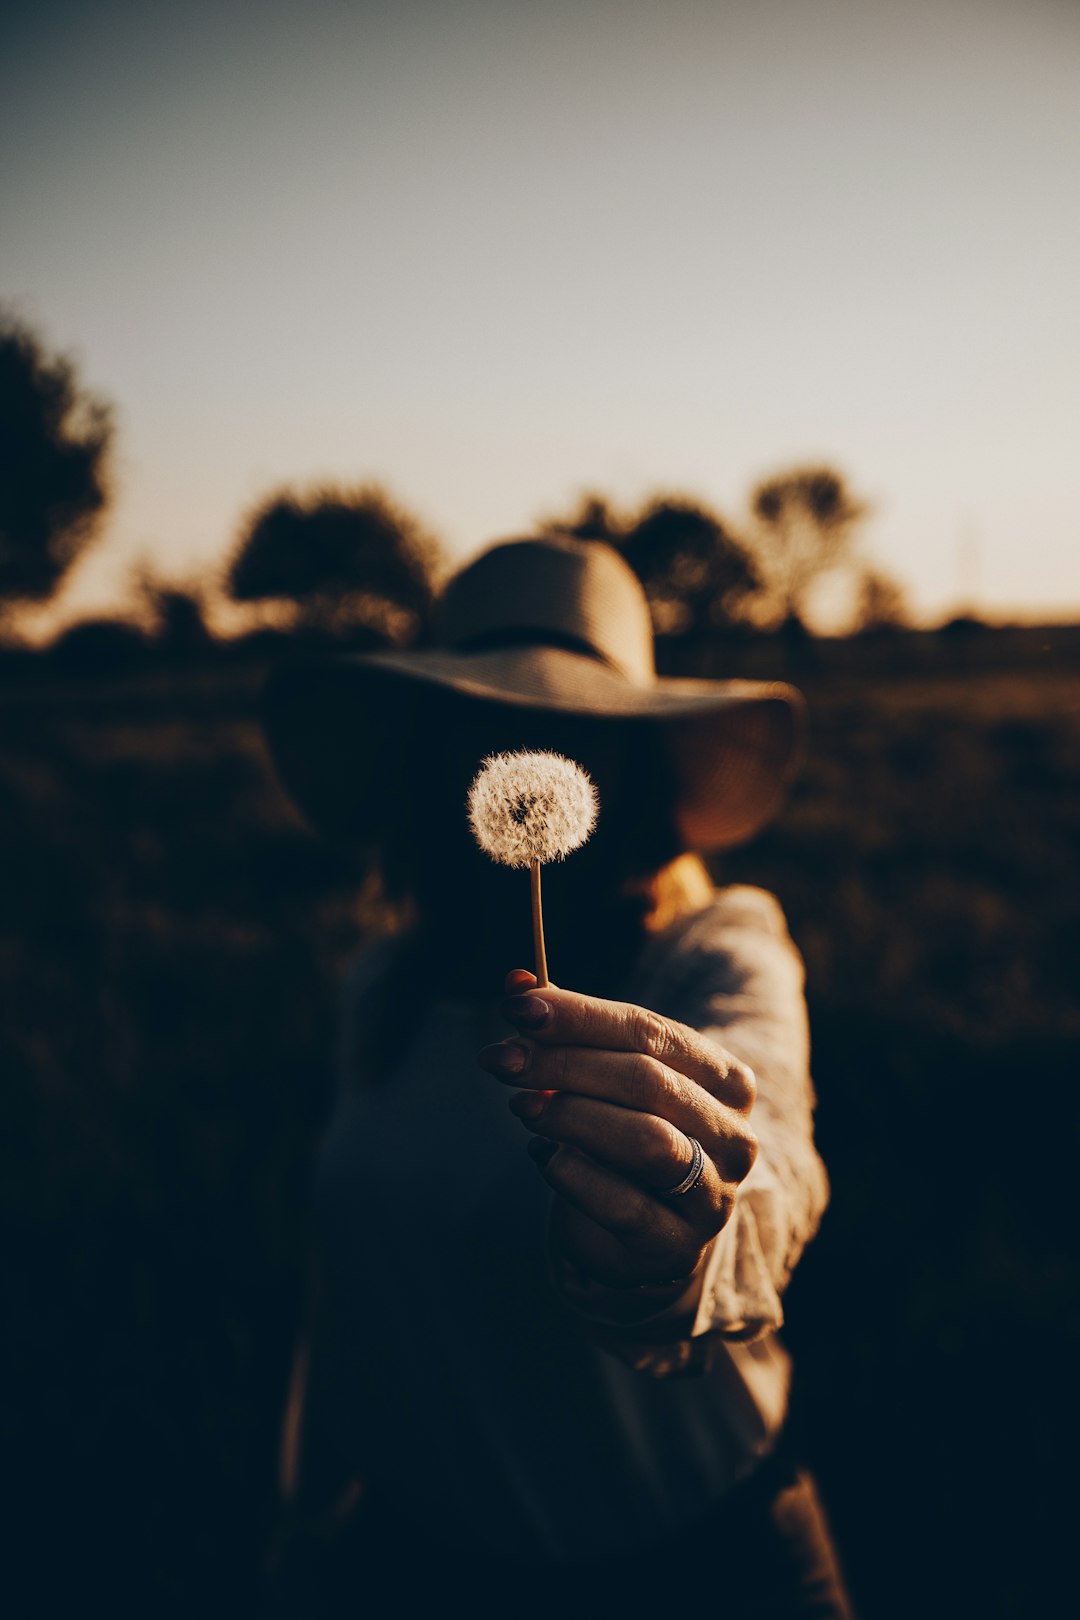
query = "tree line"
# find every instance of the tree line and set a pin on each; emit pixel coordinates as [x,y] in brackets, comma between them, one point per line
[340,562]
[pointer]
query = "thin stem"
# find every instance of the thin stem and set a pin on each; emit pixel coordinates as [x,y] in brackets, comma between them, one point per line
[538,927]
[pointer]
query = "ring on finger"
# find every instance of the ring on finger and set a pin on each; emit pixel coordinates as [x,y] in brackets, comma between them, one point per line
[693,1175]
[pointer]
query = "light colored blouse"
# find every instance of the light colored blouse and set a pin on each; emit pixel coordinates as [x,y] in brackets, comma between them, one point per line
[468,1382]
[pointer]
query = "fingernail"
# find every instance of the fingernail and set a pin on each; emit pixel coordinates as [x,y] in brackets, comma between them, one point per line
[531,1012]
[504,1057]
[528,1104]
[542,1151]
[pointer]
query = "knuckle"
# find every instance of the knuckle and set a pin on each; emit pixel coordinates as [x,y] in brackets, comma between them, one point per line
[750,1150]
[742,1084]
[589,1018]
[711,1213]
[649,1032]
[739,1149]
[663,1149]
[671,1142]
[646,1081]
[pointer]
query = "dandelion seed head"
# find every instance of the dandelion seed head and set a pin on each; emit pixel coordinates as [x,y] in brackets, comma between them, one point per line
[531,807]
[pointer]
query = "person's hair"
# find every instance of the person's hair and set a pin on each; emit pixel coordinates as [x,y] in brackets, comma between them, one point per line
[681,886]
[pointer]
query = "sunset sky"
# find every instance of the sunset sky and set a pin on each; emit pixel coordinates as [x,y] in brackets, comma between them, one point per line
[493,254]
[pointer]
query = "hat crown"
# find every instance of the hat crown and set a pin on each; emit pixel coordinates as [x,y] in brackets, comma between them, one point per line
[561,590]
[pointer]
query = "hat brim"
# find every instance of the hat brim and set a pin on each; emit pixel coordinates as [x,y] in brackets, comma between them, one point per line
[734,745]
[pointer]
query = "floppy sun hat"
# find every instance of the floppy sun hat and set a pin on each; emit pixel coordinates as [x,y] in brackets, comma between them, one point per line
[555,624]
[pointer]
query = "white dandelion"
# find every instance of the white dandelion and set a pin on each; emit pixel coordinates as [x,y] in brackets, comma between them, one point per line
[527,809]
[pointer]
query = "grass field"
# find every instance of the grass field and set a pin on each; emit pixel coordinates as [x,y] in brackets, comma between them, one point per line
[171,936]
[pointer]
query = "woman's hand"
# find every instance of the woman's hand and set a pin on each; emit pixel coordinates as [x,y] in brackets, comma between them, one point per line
[614,1094]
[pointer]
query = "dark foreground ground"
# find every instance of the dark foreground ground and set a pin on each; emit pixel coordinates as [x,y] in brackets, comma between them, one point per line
[170,940]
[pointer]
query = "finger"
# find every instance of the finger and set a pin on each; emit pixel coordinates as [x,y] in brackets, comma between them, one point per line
[518,981]
[636,1083]
[647,1150]
[563,1017]
[656,1233]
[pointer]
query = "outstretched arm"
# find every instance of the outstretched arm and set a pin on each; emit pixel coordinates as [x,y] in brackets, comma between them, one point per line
[616,1094]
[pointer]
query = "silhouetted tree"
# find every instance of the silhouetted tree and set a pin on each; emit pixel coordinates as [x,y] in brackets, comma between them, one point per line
[178,615]
[54,444]
[594,519]
[345,557]
[806,523]
[182,626]
[963,624]
[881,603]
[697,575]
[100,647]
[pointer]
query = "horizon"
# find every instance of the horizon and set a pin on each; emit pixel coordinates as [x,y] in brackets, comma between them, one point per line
[493,260]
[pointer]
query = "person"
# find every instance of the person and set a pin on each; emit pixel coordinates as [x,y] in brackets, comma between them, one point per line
[558,1381]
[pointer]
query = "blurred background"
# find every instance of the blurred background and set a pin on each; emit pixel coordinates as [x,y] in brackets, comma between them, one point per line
[300,307]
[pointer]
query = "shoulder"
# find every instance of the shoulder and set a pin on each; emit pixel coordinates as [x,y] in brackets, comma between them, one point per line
[739,907]
[737,919]
[737,943]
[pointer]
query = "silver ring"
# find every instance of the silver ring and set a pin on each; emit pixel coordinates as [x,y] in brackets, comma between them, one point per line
[692,1176]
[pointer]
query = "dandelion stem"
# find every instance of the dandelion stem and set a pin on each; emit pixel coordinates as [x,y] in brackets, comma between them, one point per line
[538,927]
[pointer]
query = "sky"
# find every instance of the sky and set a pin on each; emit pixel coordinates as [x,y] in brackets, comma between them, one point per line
[492,255]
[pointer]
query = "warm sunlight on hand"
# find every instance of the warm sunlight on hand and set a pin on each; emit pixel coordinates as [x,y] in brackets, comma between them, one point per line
[615,1097]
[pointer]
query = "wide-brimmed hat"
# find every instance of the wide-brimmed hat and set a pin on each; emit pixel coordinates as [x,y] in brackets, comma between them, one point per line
[553,624]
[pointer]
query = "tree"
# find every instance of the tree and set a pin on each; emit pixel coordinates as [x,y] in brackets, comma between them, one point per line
[55,439]
[697,576]
[344,557]
[881,603]
[176,612]
[807,520]
[100,647]
[594,519]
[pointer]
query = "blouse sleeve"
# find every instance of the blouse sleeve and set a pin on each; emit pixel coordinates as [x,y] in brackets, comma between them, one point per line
[733,972]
